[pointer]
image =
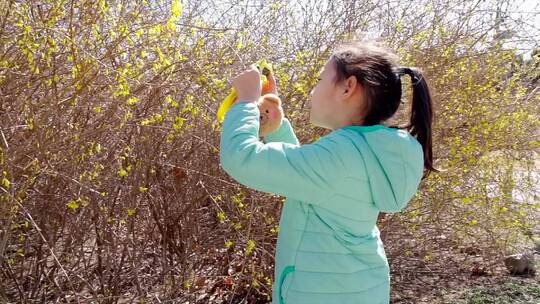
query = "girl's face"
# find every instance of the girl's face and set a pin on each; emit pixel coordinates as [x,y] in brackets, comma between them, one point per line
[323,101]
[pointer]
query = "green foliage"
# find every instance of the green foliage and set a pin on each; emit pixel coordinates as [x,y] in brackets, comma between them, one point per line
[507,293]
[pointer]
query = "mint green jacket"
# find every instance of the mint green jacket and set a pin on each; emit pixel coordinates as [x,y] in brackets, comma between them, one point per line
[329,249]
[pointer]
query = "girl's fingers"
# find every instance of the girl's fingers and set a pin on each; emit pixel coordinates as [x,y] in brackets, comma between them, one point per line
[272,86]
[248,85]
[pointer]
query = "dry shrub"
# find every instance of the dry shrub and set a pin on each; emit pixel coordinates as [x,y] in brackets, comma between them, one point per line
[111,185]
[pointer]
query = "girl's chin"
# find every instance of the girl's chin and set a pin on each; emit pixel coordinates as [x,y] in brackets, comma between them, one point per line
[313,121]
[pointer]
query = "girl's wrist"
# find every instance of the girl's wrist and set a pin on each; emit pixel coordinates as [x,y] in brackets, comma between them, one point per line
[246,99]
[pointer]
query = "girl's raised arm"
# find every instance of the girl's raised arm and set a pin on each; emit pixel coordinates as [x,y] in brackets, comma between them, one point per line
[285,134]
[303,172]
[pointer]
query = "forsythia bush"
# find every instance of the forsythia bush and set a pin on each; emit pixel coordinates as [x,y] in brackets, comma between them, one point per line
[111,186]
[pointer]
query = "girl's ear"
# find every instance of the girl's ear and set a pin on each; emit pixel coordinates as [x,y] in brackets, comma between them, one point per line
[350,85]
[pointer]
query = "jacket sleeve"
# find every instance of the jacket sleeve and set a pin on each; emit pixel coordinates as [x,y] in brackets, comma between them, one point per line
[285,133]
[304,172]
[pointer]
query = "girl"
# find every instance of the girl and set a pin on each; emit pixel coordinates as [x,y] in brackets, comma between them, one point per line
[329,249]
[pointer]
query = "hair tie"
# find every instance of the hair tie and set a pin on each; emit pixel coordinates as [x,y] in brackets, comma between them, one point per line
[408,71]
[405,70]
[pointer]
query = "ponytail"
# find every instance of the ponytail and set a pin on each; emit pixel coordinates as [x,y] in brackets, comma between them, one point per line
[421,115]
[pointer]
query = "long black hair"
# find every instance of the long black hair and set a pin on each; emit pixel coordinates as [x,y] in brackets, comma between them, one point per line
[376,69]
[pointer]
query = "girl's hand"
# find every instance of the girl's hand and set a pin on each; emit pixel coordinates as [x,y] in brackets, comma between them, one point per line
[248,85]
[271,86]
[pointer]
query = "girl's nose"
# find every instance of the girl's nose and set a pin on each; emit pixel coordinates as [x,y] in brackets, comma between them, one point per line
[307,104]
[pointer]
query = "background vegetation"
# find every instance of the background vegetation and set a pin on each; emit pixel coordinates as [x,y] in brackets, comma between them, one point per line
[111,189]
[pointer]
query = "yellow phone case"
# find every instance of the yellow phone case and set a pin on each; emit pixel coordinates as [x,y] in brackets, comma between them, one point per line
[261,65]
